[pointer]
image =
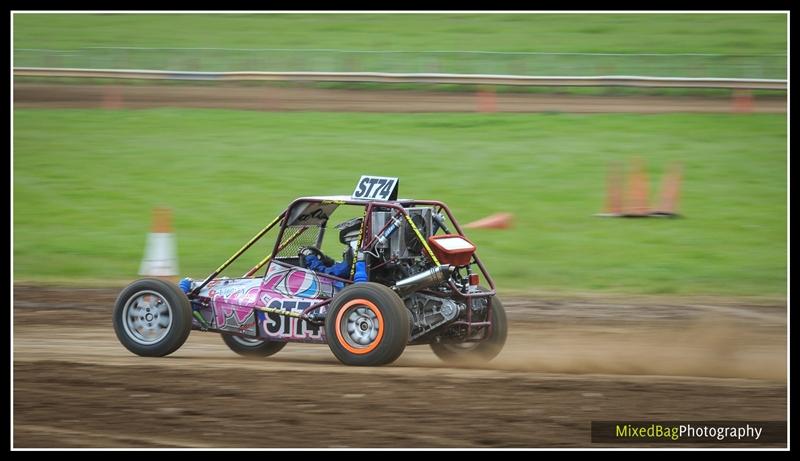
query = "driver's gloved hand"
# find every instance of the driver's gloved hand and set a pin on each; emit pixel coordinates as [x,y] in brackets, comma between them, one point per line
[305,252]
[313,263]
[341,269]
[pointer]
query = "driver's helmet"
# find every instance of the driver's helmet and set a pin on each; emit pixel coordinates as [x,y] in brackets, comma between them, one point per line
[350,230]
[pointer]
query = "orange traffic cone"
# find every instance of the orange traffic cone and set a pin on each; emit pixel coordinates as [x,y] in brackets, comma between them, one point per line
[742,101]
[487,100]
[160,258]
[636,201]
[613,191]
[112,98]
[670,190]
[495,221]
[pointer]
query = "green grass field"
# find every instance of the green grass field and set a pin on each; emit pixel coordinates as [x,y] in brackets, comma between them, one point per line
[85,182]
[665,33]
[710,45]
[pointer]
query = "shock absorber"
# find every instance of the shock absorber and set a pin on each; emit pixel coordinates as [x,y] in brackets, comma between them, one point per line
[390,229]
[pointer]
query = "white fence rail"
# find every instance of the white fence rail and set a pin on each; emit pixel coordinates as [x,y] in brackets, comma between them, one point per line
[383,77]
[528,63]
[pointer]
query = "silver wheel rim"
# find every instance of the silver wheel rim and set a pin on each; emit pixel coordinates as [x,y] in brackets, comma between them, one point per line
[247,342]
[359,326]
[147,317]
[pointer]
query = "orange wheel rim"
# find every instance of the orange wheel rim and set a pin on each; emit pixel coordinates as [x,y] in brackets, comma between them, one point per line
[359,326]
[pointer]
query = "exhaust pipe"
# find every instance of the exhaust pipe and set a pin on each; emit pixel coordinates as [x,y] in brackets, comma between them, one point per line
[429,278]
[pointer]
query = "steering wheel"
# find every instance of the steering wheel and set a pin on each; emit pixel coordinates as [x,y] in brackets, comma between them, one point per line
[306,251]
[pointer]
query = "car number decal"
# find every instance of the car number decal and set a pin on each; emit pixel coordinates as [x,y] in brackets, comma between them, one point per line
[376,188]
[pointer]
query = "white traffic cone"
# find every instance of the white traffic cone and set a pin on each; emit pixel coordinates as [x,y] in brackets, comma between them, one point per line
[160,257]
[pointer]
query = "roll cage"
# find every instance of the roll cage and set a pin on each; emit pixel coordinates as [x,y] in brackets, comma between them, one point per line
[314,212]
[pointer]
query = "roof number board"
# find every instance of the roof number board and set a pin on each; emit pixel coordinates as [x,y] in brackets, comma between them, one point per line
[376,188]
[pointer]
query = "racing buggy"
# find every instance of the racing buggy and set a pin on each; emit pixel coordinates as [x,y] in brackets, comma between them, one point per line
[405,278]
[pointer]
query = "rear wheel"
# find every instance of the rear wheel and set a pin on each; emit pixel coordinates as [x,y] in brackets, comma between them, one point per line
[367,324]
[252,347]
[482,351]
[152,318]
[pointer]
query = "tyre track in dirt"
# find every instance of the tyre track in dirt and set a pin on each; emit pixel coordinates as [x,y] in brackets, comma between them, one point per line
[75,386]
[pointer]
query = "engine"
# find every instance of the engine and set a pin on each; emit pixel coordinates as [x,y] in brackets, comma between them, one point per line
[399,240]
[398,259]
[397,253]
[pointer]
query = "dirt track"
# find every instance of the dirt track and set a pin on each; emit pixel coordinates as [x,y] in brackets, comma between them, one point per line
[567,362]
[226,96]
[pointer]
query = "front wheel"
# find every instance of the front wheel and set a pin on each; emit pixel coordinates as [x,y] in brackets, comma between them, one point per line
[152,318]
[483,351]
[251,347]
[367,324]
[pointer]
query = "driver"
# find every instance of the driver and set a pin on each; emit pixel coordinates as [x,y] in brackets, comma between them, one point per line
[313,258]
